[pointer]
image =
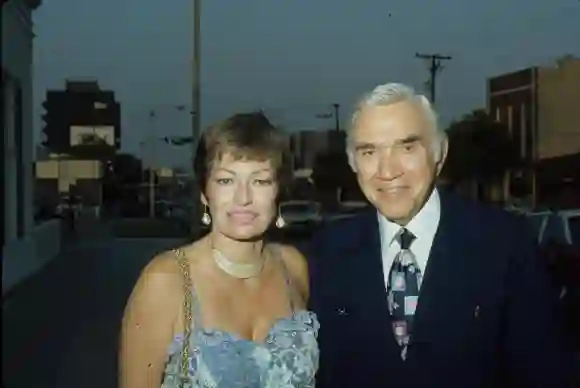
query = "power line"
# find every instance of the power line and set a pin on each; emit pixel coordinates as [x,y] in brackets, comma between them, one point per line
[435,67]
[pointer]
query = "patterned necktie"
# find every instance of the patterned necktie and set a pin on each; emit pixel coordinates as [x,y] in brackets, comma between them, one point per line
[403,290]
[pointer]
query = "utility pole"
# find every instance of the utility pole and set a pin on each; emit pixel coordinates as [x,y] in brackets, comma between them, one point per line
[195,114]
[434,68]
[152,164]
[336,117]
[334,143]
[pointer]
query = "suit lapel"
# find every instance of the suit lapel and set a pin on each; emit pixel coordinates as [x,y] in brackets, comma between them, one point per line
[366,270]
[447,269]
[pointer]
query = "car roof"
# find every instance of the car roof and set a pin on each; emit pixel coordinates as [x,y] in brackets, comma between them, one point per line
[298,202]
[561,213]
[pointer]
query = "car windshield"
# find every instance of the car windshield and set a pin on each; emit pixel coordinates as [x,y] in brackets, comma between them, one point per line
[555,231]
[535,223]
[574,225]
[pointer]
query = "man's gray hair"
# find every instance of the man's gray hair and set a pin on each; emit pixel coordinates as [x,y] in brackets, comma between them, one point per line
[392,93]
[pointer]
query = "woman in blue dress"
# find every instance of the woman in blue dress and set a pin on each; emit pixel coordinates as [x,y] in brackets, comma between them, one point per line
[228,310]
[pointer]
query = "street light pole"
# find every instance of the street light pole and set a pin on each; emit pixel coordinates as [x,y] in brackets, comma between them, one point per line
[336,117]
[195,112]
[333,144]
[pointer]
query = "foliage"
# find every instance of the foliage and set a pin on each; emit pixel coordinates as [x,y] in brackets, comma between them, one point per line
[122,177]
[479,147]
[331,170]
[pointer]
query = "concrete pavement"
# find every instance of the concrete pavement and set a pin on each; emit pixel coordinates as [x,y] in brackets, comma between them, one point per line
[60,328]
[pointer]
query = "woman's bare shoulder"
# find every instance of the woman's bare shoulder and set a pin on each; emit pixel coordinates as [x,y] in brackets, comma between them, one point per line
[297,266]
[161,275]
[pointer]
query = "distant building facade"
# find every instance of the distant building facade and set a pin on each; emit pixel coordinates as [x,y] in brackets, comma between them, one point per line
[540,107]
[305,146]
[57,178]
[82,121]
[82,136]
[322,152]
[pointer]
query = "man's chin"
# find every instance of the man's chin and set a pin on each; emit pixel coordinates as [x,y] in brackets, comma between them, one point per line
[395,216]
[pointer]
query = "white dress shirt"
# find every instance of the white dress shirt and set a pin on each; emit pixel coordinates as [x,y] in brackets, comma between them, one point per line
[423,226]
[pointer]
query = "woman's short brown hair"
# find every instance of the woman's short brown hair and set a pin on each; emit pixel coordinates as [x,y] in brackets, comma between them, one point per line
[245,136]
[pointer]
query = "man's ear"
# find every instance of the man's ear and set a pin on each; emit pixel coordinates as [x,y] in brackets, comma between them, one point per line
[351,162]
[443,150]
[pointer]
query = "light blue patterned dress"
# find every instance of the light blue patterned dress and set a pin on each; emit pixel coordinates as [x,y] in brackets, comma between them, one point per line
[288,358]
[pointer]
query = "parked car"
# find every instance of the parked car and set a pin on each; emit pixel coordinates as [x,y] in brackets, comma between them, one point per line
[558,237]
[345,209]
[561,227]
[68,203]
[300,214]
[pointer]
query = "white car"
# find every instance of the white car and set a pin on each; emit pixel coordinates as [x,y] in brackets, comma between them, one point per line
[300,213]
[562,227]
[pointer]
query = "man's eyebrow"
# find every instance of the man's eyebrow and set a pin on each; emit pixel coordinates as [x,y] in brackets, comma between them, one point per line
[408,140]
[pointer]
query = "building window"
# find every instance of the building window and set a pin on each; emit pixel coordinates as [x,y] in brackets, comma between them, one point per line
[92,135]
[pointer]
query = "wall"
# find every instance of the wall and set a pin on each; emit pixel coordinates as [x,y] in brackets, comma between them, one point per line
[19,250]
[559,109]
[17,69]
[30,253]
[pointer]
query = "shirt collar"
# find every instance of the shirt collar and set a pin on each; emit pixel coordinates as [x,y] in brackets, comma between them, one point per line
[423,225]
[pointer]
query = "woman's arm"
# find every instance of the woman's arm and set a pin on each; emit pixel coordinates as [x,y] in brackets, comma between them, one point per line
[298,270]
[148,324]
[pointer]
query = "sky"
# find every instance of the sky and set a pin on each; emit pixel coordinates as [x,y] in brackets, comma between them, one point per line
[292,58]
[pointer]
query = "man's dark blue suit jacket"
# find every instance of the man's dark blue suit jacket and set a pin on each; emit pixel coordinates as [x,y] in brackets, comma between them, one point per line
[487,315]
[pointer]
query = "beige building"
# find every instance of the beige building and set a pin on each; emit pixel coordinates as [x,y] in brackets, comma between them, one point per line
[540,107]
[56,178]
[559,109]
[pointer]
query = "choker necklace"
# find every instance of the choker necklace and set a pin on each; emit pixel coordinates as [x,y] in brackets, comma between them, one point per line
[237,270]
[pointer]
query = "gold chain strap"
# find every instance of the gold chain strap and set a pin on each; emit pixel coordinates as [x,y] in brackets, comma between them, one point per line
[187,290]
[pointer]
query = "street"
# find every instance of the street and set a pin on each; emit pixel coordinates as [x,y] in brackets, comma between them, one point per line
[60,328]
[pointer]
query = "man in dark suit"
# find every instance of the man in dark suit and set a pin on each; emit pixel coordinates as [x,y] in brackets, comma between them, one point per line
[427,290]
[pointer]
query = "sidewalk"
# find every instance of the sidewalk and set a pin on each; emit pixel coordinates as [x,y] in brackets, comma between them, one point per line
[60,326]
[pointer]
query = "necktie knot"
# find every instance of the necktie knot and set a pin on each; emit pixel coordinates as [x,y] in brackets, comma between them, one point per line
[405,238]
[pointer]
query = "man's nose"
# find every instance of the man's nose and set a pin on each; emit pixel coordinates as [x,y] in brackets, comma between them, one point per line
[389,166]
[243,194]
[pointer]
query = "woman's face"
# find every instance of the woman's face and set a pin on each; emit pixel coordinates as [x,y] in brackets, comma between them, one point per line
[241,196]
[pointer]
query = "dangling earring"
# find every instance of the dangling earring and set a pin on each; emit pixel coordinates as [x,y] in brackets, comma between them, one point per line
[280,223]
[206,218]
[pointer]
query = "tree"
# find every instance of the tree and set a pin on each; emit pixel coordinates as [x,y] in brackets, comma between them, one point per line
[123,175]
[331,171]
[479,148]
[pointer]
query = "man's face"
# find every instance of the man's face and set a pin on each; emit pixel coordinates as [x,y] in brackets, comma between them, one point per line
[392,154]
